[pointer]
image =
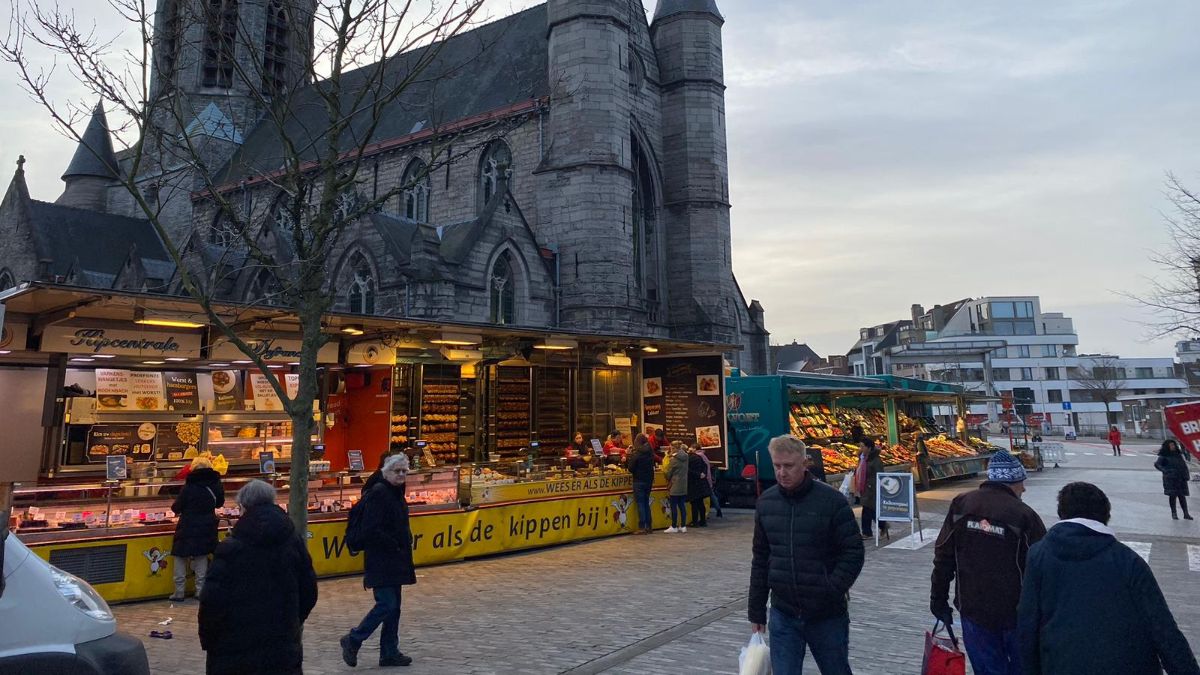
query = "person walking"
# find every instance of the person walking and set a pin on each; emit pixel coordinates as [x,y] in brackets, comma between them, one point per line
[982,548]
[196,532]
[677,487]
[259,593]
[641,467]
[699,488]
[387,566]
[807,553]
[1174,477]
[874,465]
[1090,604]
[1114,439]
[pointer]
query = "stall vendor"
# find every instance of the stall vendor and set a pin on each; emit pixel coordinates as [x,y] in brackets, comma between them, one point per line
[658,442]
[572,457]
[614,451]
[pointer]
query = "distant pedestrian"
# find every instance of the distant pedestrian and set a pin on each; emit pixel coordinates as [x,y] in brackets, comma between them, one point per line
[387,565]
[807,553]
[699,488]
[1091,604]
[1114,439]
[712,481]
[1174,477]
[677,487]
[982,548]
[196,532]
[872,469]
[641,467]
[816,464]
[260,592]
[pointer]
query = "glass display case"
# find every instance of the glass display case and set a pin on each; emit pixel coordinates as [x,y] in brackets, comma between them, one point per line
[242,437]
[513,480]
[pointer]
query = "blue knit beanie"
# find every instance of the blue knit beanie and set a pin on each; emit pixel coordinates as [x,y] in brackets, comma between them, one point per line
[1004,468]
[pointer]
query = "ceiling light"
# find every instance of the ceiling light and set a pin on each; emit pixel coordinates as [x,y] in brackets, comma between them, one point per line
[362,365]
[153,363]
[104,356]
[79,359]
[243,361]
[461,354]
[167,320]
[650,349]
[5,351]
[274,366]
[353,330]
[556,344]
[617,360]
[177,358]
[217,365]
[458,339]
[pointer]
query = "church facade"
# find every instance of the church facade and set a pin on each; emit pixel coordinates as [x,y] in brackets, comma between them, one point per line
[564,167]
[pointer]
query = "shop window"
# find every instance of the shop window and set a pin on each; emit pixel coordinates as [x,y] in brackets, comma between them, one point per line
[220,39]
[415,197]
[495,166]
[503,291]
[275,50]
[361,291]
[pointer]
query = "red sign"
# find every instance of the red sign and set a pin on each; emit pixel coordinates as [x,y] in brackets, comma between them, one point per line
[1034,418]
[1184,421]
[1006,400]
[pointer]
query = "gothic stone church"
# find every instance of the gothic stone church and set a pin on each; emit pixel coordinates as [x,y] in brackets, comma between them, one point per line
[588,191]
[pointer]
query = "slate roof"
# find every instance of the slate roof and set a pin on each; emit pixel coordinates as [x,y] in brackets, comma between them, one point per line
[94,155]
[99,242]
[666,8]
[489,68]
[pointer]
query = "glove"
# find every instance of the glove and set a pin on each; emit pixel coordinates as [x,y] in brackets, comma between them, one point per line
[942,612]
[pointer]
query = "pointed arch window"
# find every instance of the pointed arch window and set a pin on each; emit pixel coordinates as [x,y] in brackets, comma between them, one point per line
[502,286]
[224,231]
[275,49]
[414,202]
[494,166]
[265,289]
[7,280]
[169,36]
[361,292]
[220,38]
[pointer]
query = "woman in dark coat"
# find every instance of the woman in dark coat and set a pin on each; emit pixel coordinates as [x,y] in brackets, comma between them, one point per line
[196,531]
[260,591]
[699,488]
[874,467]
[1174,476]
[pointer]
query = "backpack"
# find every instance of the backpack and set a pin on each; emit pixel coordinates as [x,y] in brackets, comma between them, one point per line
[356,535]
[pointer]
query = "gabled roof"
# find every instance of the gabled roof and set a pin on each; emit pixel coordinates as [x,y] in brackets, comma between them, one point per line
[97,242]
[486,69]
[94,155]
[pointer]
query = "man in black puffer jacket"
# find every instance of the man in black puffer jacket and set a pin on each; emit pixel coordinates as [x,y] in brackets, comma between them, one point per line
[807,555]
[260,591]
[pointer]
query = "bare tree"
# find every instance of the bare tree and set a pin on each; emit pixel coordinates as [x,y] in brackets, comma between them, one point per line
[366,58]
[1174,295]
[1104,381]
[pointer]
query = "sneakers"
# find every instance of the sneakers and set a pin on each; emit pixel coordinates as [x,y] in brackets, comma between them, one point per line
[683,529]
[350,651]
[672,530]
[397,660]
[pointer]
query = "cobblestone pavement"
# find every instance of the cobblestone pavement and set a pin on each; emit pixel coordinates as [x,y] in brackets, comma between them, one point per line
[669,604]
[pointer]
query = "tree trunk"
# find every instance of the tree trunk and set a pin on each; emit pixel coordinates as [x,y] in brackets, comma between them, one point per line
[301,410]
[1108,420]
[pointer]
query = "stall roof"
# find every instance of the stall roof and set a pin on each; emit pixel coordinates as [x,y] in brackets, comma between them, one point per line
[50,303]
[924,386]
[818,381]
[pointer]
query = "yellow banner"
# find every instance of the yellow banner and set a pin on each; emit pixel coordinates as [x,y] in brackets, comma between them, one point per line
[485,493]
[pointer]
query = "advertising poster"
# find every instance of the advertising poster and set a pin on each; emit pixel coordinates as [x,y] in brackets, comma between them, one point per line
[116,467]
[112,390]
[183,393]
[177,441]
[146,390]
[133,440]
[264,395]
[227,390]
[688,401]
[355,459]
[895,497]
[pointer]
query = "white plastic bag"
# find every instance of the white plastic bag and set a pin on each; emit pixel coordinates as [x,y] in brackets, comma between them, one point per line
[755,658]
[845,489]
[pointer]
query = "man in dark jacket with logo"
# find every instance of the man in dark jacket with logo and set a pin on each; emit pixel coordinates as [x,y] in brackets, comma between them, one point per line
[260,591]
[388,565]
[1091,604]
[641,466]
[807,554]
[982,547]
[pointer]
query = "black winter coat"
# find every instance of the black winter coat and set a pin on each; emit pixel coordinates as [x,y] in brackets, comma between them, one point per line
[874,468]
[641,464]
[1091,605]
[698,487]
[1174,475]
[258,593]
[982,548]
[388,552]
[807,552]
[196,531]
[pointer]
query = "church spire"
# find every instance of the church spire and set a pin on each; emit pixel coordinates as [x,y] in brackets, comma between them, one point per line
[94,157]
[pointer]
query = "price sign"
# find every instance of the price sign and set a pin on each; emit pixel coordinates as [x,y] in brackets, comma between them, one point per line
[116,467]
[355,459]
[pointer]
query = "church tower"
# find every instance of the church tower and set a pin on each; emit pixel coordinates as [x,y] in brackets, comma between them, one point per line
[702,295]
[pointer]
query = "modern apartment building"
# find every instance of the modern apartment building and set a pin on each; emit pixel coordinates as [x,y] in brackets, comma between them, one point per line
[1000,344]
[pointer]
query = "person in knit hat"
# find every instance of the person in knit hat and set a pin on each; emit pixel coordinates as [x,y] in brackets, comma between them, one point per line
[982,547]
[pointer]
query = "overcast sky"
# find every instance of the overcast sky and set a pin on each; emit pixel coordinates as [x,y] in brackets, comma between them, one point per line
[886,153]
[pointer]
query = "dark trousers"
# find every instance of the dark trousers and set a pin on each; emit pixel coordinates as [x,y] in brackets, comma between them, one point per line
[868,517]
[1182,503]
[386,612]
[991,652]
[678,510]
[699,514]
[641,497]
[716,501]
[1116,449]
[829,640]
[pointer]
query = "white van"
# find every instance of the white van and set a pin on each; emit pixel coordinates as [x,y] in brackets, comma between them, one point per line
[53,622]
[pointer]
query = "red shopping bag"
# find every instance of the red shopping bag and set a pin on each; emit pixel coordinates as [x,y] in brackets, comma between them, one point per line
[942,656]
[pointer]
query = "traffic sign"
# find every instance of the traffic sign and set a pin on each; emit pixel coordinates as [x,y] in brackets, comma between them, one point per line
[1066,405]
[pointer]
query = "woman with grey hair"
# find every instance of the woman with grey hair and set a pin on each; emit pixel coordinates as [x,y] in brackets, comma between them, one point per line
[260,590]
[387,565]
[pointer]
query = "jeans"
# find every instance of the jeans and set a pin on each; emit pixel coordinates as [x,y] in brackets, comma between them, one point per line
[641,497]
[199,565]
[991,653]
[678,510]
[387,612]
[716,501]
[829,640]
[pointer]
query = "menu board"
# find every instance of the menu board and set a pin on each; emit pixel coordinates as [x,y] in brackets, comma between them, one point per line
[177,441]
[112,390]
[133,440]
[264,394]
[146,390]
[228,393]
[183,394]
[685,396]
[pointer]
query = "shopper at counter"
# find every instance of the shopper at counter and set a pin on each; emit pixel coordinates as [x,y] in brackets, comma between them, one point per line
[658,442]
[260,591]
[387,566]
[699,488]
[677,486]
[196,531]
[641,466]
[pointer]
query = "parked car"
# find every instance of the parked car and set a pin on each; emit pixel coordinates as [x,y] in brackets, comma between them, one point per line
[55,622]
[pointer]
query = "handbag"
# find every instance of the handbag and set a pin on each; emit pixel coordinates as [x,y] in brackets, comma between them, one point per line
[942,655]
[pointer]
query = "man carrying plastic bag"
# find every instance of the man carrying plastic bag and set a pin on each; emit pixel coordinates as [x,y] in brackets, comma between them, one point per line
[807,553]
[755,658]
